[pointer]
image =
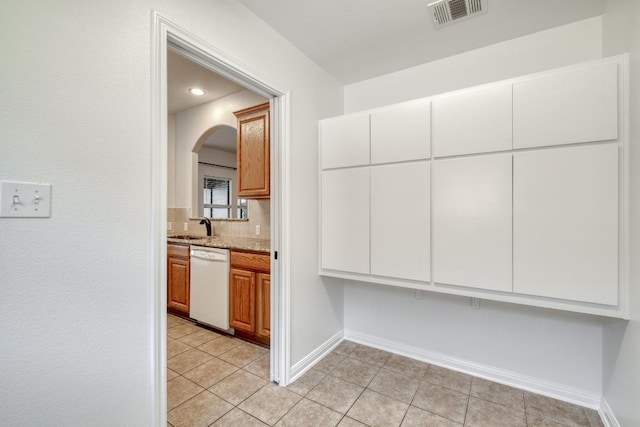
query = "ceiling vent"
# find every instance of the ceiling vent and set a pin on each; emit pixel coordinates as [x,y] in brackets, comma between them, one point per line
[445,12]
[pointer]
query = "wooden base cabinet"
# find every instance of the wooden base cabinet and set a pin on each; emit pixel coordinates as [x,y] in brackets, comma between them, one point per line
[263,305]
[178,286]
[250,296]
[242,300]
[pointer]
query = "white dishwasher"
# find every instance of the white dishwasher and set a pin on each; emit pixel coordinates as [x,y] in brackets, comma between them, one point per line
[209,295]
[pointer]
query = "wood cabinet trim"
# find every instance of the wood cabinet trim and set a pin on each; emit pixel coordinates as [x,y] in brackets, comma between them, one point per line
[180,251]
[251,261]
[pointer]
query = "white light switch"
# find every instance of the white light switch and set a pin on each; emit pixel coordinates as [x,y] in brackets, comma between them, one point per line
[25,200]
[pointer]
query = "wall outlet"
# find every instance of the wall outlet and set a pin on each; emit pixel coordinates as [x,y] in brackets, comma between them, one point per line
[475,303]
[257,230]
[186,226]
[419,294]
[169,226]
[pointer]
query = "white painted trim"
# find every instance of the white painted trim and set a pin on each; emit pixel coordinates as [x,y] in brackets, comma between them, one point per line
[164,32]
[157,228]
[315,356]
[606,414]
[532,384]
[281,240]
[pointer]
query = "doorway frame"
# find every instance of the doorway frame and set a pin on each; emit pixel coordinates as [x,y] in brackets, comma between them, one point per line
[165,34]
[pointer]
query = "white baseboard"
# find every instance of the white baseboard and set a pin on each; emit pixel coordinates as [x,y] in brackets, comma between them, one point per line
[532,384]
[606,414]
[314,357]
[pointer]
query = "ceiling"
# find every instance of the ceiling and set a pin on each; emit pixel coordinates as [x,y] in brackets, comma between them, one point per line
[355,40]
[183,74]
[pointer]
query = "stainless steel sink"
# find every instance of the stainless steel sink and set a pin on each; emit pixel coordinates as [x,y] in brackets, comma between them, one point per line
[187,237]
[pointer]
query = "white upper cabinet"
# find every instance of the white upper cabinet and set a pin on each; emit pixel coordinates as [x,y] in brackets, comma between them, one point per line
[401,132]
[344,141]
[566,223]
[472,218]
[513,191]
[473,121]
[577,105]
[400,221]
[345,220]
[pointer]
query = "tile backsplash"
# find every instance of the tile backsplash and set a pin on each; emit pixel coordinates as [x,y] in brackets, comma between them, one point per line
[259,214]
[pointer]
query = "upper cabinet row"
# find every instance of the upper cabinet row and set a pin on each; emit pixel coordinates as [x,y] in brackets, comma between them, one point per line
[514,191]
[565,107]
[253,152]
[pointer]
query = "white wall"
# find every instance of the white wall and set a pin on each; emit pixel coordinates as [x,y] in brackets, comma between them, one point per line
[621,33]
[76,322]
[535,344]
[171,160]
[218,157]
[565,45]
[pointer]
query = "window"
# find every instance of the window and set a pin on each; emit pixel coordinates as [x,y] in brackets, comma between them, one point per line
[242,208]
[217,200]
[217,197]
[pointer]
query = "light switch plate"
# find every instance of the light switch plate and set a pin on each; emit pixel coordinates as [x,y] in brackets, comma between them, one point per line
[25,200]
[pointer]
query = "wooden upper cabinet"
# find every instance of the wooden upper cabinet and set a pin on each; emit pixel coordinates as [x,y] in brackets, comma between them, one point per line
[253,152]
[471,121]
[570,106]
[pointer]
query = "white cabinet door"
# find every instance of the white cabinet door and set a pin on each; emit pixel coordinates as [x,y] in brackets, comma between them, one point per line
[344,141]
[472,217]
[566,223]
[473,121]
[401,132]
[400,221]
[345,220]
[579,105]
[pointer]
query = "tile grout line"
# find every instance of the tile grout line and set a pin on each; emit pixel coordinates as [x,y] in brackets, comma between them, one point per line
[341,358]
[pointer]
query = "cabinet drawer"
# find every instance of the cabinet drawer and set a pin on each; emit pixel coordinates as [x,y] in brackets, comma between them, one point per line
[250,261]
[178,251]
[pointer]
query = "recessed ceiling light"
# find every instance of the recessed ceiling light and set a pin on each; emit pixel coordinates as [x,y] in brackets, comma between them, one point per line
[196,91]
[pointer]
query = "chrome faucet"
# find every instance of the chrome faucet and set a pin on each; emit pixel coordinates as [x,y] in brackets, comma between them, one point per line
[207,223]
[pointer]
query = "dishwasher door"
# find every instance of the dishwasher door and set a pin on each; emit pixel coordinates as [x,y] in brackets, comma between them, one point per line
[209,293]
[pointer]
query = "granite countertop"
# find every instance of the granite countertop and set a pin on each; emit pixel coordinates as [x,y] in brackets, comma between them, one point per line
[224,242]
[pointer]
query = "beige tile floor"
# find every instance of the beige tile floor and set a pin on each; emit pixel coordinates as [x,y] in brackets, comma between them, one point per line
[215,380]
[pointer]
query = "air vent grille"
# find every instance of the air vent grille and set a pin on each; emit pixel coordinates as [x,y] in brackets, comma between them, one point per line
[445,12]
[475,6]
[458,9]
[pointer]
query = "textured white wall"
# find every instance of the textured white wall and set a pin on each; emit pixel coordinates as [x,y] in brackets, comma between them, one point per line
[548,345]
[565,45]
[76,318]
[621,33]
